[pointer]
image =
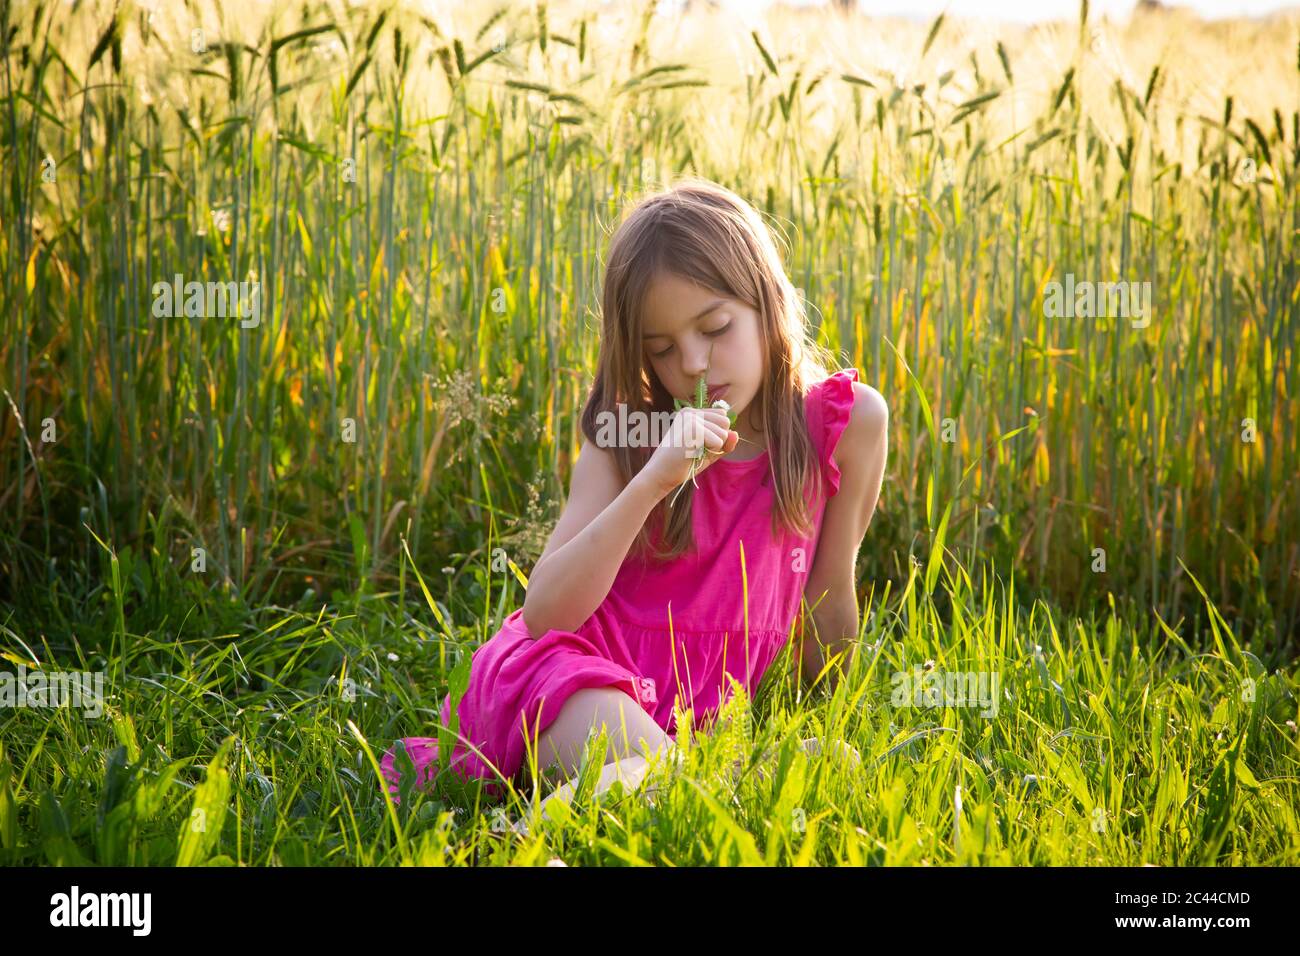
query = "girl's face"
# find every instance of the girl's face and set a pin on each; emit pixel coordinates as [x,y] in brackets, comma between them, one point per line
[682,321]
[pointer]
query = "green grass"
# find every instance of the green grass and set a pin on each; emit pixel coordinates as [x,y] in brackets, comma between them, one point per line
[440,309]
[1113,743]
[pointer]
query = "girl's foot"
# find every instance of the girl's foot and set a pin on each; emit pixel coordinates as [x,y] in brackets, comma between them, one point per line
[841,749]
[812,746]
[669,763]
[630,772]
[561,794]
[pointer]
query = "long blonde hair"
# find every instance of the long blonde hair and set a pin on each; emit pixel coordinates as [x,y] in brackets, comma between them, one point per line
[706,234]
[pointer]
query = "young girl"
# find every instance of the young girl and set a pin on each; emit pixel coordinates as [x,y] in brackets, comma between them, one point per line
[638,603]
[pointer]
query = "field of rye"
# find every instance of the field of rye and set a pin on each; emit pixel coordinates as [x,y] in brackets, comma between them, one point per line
[299,314]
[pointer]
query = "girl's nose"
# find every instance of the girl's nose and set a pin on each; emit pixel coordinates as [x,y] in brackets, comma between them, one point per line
[697,364]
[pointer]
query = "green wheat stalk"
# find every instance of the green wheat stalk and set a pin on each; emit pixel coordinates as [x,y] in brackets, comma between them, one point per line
[701,399]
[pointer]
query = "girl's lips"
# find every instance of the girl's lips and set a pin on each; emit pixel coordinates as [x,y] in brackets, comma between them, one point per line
[716,392]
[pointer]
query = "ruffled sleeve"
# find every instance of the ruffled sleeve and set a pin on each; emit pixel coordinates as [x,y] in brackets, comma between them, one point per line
[836,407]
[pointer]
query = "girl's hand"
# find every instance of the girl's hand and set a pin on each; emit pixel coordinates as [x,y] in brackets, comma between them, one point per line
[696,438]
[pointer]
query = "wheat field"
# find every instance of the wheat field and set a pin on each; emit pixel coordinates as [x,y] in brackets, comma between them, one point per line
[332,469]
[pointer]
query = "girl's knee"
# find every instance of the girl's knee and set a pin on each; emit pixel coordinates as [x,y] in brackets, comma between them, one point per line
[615,709]
[628,727]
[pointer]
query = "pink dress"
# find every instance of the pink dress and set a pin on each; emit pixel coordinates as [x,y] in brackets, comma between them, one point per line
[626,641]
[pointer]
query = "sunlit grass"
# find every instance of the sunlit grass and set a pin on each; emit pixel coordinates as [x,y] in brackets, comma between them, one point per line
[425,198]
[1113,742]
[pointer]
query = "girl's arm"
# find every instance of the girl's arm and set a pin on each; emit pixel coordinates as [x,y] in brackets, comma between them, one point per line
[831,590]
[590,541]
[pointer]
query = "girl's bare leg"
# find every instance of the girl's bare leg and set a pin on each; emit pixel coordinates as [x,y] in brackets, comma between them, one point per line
[629,727]
[633,736]
[631,771]
[812,746]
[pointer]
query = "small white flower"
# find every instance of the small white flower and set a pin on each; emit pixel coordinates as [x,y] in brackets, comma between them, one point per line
[556,861]
[392,656]
[722,404]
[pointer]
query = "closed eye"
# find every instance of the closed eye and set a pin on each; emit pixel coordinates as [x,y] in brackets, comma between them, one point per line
[713,335]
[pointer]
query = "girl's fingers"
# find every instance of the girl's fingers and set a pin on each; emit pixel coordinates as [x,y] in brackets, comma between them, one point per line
[700,431]
[727,440]
[727,447]
[717,433]
[718,444]
[715,415]
[709,436]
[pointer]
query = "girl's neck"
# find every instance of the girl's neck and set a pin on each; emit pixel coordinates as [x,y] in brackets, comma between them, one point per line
[752,441]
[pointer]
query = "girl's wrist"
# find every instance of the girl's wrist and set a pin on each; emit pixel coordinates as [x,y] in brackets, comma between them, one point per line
[644,486]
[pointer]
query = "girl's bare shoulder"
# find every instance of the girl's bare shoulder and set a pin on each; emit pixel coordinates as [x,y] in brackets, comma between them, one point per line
[595,465]
[594,483]
[867,428]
